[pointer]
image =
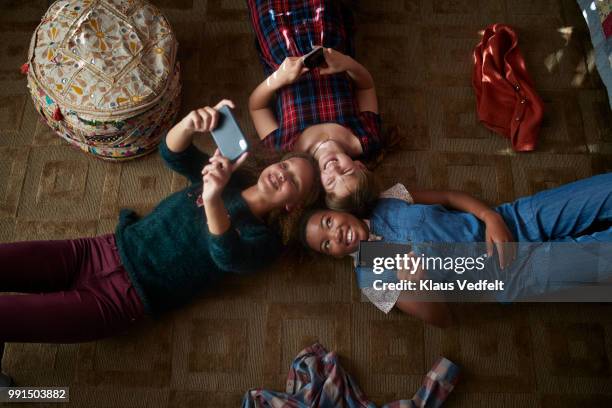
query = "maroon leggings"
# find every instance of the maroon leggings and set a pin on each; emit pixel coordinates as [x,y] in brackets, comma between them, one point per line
[74,291]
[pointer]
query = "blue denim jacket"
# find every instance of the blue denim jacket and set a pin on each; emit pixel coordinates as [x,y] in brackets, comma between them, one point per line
[399,221]
[541,224]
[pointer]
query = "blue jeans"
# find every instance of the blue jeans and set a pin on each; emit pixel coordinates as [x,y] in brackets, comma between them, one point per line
[566,213]
[574,222]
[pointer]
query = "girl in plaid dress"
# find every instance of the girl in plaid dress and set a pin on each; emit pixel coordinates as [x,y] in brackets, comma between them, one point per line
[330,111]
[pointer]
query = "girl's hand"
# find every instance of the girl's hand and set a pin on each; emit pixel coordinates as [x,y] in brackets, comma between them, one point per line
[217,173]
[498,235]
[289,71]
[204,119]
[335,62]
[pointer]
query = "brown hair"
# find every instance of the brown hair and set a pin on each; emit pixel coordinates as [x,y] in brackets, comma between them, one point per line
[258,160]
[284,222]
[360,201]
[315,192]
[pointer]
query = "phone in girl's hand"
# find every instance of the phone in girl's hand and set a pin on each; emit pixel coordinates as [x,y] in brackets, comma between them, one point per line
[227,135]
[314,58]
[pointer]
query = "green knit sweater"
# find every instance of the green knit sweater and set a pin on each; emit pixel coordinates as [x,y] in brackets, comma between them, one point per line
[170,255]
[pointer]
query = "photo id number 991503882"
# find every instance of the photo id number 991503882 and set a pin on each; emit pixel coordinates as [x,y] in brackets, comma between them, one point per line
[34,394]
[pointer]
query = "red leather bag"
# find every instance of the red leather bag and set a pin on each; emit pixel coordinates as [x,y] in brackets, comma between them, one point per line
[506,100]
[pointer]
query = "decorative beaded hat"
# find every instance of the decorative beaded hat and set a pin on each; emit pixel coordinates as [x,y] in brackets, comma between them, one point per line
[103,74]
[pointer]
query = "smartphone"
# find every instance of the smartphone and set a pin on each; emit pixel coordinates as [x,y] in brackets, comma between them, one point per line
[314,58]
[227,135]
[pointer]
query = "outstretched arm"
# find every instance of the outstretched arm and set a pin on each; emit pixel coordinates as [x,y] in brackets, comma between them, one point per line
[180,137]
[177,149]
[456,200]
[259,107]
[497,232]
[260,99]
[366,92]
[215,177]
[201,120]
[230,249]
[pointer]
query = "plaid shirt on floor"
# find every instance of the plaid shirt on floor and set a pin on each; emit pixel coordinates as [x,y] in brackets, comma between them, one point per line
[286,28]
[317,380]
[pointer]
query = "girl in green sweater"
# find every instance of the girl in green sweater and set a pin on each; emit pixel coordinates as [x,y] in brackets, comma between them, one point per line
[85,289]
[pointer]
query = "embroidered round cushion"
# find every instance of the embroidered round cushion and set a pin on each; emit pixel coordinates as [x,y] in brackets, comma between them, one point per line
[104,75]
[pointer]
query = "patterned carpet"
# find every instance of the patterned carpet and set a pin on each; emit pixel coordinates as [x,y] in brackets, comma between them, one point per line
[245,335]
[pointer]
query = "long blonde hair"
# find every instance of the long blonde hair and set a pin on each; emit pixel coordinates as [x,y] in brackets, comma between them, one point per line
[360,201]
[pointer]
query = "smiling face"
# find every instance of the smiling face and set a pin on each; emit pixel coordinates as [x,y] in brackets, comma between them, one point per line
[335,233]
[287,183]
[339,173]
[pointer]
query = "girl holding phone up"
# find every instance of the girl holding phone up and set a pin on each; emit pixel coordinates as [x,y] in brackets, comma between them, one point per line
[85,289]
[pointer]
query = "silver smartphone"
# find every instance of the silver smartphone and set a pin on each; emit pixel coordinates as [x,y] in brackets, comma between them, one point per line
[228,136]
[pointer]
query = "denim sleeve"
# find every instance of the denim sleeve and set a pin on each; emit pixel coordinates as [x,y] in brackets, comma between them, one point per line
[188,163]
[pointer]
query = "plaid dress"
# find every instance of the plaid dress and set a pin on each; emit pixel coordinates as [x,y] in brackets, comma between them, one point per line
[286,28]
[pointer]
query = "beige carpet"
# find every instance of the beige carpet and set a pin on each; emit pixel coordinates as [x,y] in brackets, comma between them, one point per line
[246,334]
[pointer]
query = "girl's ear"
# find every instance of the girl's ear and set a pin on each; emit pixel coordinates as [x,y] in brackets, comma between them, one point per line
[360,164]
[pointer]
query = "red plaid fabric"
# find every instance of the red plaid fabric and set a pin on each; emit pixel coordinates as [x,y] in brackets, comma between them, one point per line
[286,28]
